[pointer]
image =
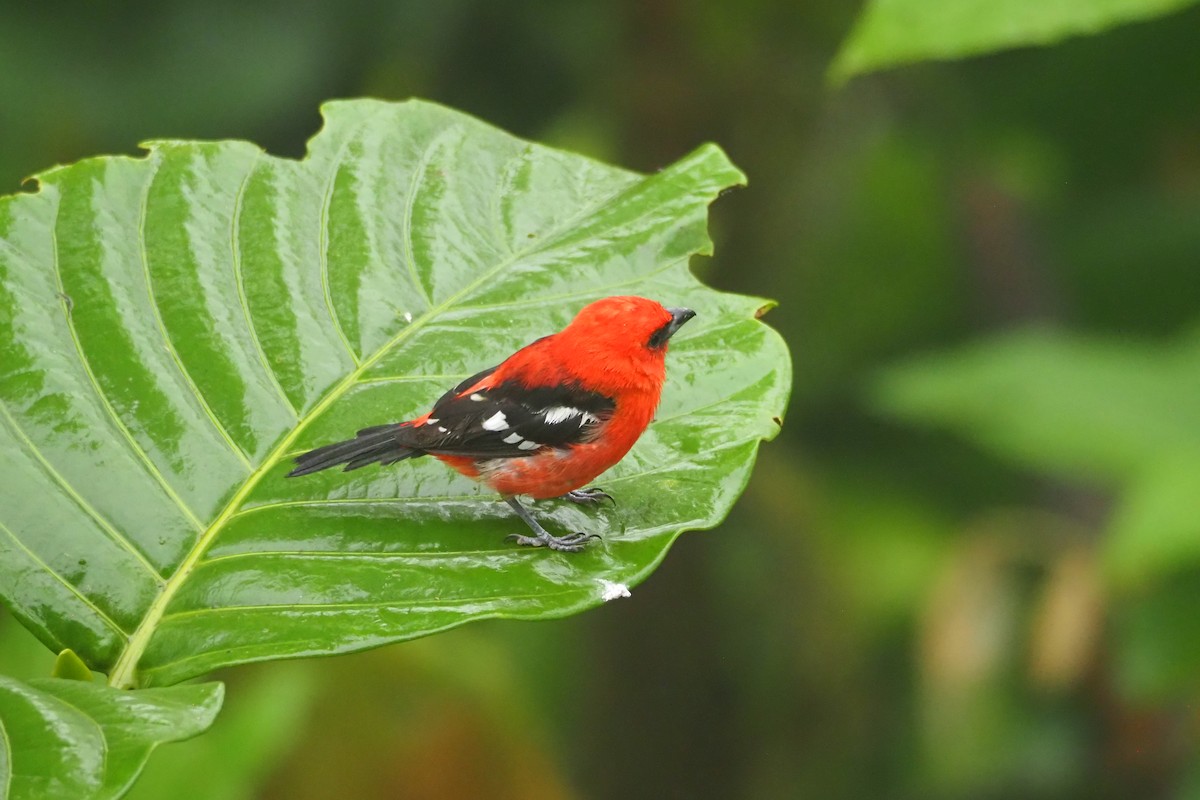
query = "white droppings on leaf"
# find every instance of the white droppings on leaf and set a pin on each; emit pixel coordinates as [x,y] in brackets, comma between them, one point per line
[612,591]
[408,316]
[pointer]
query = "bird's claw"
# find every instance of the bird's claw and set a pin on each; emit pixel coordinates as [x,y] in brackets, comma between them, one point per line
[571,543]
[591,495]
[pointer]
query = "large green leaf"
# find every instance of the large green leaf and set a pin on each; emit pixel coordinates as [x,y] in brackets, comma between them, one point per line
[174,328]
[69,740]
[893,32]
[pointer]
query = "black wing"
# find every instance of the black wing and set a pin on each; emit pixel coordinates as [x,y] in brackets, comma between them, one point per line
[462,387]
[509,420]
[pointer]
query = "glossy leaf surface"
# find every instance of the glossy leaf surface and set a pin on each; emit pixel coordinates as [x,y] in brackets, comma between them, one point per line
[70,740]
[175,328]
[893,32]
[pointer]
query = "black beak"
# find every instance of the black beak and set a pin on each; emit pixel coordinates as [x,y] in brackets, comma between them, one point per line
[678,317]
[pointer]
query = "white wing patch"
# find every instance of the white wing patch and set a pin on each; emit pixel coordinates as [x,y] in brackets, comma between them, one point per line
[513,438]
[496,422]
[557,414]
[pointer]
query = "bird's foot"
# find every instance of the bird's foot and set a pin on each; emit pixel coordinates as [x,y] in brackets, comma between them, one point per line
[590,495]
[571,543]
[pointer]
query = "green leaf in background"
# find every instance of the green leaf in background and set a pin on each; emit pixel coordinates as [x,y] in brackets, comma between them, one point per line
[1158,632]
[1124,414]
[1057,402]
[1155,528]
[175,328]
[79,741]
[263,716]
[893,32]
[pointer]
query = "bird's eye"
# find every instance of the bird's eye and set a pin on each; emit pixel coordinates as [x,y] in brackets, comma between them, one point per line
[660,336]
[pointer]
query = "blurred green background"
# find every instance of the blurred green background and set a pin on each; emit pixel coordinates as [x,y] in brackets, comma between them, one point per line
[970,565]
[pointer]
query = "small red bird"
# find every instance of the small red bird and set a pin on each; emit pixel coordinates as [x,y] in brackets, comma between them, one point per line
[552,417]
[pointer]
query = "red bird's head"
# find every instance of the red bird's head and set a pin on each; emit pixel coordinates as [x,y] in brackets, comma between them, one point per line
[623,340]
[627,322]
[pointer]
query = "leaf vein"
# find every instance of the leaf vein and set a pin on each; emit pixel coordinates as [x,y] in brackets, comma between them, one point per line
[307,607]
[87,601]
[495,206]
[669,467]
[414,184]
[357,501]
[689,412]
[234,447]
[555,300]
[366,555]
[323,242]
[414,378]
[116,536]
[137,449]
[235,245]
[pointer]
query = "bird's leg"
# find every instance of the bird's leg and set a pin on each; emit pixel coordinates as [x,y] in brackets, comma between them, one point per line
[593,494]
[571,543]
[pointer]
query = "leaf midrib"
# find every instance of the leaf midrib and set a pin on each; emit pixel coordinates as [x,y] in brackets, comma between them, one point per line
[124,671]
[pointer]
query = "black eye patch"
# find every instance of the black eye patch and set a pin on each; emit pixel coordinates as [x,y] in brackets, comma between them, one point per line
[660,336]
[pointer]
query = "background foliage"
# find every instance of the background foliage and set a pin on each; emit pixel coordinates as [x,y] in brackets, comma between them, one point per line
[967,567]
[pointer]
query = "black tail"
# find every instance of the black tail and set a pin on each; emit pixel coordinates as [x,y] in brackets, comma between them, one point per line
[380,444]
